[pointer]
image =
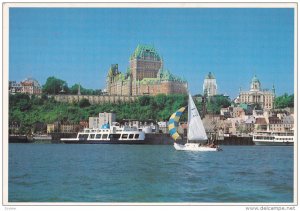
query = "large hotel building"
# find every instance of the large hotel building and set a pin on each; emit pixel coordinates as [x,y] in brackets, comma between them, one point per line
[145,75]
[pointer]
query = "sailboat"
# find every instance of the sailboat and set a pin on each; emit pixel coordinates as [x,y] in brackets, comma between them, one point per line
[196,135]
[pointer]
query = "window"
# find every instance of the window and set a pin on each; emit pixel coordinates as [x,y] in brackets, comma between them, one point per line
[98,136]
[92,136]
[137,136]
[131,136]
[124,136]
[83,136]
[104,136]
[115,136]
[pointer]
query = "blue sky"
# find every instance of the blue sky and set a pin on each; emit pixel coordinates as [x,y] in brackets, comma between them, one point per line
[79,45]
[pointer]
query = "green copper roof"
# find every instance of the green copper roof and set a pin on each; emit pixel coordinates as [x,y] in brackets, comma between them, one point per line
[255,79]
[166,75]
[143,51]
[210,76]
[113,70]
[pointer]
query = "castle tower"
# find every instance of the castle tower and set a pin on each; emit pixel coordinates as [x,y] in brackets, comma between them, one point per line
[210,85]
[111,77]
[144,63]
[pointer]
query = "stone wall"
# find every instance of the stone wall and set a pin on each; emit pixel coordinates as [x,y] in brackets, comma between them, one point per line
[93,99]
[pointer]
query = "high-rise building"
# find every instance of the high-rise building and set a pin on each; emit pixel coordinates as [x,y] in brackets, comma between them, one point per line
[210,85]
[146,75]
[257,95]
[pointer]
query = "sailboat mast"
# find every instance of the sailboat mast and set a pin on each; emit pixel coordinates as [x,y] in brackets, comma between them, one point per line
[189,113]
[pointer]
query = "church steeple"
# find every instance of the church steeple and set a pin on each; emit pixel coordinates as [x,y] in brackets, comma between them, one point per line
[273,89]
[255,84]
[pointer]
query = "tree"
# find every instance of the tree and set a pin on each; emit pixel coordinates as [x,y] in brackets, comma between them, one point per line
[215,103]
[284,101]
[84,103]
[144,100]
[55,86]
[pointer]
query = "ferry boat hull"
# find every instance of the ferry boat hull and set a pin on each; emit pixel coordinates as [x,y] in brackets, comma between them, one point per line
[273,143]
[112,135]
[273,139]
[76,141]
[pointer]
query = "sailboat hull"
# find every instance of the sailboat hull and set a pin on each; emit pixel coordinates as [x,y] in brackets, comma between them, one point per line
[195,147]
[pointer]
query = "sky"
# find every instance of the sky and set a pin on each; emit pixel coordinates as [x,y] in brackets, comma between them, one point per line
[78,45]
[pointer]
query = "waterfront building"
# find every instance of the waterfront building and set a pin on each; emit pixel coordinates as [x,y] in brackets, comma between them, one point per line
[145,75]
[249,124]
[232,112]
[256,95]
[50,128]
[163,127]
[83,124]
[54,127]
[102,119]
[210,85]
[69,128]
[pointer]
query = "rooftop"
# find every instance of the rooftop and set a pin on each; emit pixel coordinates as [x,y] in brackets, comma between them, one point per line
[210,76]
[145,52]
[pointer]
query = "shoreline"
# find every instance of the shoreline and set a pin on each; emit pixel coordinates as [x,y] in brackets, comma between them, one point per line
[152,139]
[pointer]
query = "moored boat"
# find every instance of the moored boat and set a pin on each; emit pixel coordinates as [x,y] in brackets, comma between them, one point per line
[274,138]
[41,137]
[114,134]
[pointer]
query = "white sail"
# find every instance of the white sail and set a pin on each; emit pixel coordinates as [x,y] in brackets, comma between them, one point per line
[196,131]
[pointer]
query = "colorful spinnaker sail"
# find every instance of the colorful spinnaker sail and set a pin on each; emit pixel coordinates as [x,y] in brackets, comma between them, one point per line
[173,123]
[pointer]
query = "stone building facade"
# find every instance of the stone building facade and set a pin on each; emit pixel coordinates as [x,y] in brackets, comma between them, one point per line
[28,86]
[256,95]
[145,75]
[210,85]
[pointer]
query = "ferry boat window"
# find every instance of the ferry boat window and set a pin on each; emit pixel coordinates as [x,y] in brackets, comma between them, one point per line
[92,136]
[124,135]
[83,136]
[98,136]
[137,136]
[104,136]
[115,136]
[131,136]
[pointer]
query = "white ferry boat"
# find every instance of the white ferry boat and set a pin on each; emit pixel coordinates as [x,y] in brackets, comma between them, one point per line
[274,138]
[114,134]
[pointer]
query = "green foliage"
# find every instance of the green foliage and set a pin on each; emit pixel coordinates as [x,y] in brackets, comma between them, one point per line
[217,102]
[84,103]
[284,101]
[84,91]
[55,86]
[28,112]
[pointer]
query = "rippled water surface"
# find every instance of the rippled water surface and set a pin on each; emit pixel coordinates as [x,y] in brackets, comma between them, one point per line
[148,173]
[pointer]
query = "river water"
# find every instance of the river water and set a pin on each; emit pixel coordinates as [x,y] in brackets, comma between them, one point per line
[149,173]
